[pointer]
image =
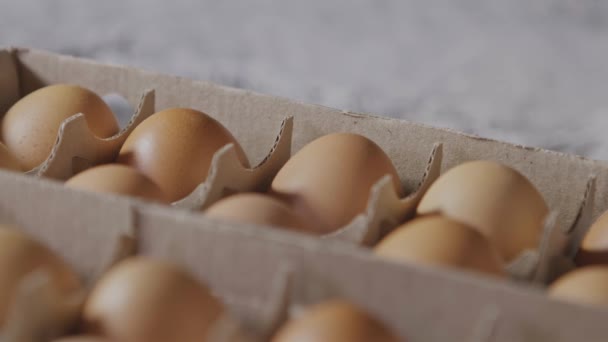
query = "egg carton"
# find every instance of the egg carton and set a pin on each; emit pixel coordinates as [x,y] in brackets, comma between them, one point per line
[105,228]
[265,275]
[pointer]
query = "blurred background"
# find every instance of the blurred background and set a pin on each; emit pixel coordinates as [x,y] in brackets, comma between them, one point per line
[532,72]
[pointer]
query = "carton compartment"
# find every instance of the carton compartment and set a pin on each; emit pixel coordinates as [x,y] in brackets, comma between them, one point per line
[385,210]
[227,175]
[557,246]
[76,146]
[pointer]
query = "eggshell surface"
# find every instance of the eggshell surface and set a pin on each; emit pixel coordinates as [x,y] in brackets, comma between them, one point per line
[174,148]
[8,160]
[82,338]
[493,198]
[117,179]
[440,241]
[144,300]
[334,321]
[329,180]
[30,127]
[258,209]
[594,247]
[586,285]
[20,255]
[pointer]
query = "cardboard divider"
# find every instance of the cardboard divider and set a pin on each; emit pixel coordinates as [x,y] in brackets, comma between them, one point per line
[227,175]
[485,327]
[557,246]
[77,146]
[256,321]
[101,223]
[583,221]
[385,210]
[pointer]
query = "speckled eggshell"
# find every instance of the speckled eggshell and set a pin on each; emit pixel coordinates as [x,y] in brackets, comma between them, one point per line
[19,256]
[145,300]
[329,180]
[174,148]
[258,209]
[30,127]
[440,241]
[493,198]
[117,179]
[586,285]
[334,321]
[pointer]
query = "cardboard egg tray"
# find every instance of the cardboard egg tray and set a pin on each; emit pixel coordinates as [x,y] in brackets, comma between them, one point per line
[266,274]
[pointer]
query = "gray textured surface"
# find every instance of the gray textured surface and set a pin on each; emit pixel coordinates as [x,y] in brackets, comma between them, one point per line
[533,72]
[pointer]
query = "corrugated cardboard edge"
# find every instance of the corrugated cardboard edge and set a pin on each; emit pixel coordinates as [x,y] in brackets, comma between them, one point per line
[227,175]
[385,210]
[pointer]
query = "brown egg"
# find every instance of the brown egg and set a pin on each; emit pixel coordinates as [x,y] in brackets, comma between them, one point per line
[334,321]
[30,127]
[175,147]
[20,255]
[587,285]
[329,180]
[258,209]
[144,300]
[594,247]
[117,179]
[440,241]
[82,338]
[8,160]
[495,199]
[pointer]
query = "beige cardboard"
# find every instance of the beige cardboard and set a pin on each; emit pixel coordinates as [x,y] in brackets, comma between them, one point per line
[227,175]
[385,210]
[240,262]
[21,204]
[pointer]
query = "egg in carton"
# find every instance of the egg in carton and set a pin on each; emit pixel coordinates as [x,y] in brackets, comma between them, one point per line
[227,175]
[385,209]
[558,244]
[76,146]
